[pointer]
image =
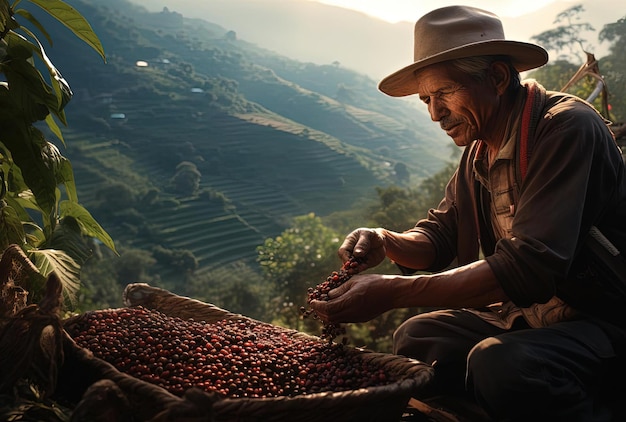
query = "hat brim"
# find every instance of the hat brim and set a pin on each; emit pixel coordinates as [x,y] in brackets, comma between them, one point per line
[525,56]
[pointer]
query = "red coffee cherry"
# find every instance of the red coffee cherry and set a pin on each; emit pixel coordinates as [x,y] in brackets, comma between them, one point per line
[236,357]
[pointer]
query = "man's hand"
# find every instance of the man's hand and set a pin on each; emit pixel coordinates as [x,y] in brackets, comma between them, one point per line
[360,299]
[367,244]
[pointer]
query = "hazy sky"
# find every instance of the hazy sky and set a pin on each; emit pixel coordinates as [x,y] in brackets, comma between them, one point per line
[410,10]
[377,48]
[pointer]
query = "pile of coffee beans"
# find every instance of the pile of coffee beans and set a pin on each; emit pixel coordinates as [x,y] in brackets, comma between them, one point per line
[236,357]
[330,331]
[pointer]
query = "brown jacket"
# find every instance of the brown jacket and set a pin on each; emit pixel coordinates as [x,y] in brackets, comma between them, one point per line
[575,179]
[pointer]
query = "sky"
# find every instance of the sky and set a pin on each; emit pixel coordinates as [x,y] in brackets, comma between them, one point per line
[410,10]
[284,27]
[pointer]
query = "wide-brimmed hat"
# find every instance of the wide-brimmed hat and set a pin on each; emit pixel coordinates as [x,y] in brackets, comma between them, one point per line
[456,32]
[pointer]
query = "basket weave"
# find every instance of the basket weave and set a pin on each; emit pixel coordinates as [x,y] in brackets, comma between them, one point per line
[152,403]
[381,403]
[30,326]
[17,277]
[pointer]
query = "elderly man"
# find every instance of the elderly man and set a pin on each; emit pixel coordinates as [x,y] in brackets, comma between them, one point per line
[522,255]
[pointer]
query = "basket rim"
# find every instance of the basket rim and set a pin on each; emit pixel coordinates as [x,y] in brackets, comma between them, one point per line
[417,373]
[410,364]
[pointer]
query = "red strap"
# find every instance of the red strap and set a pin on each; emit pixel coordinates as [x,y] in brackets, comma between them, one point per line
[528,106]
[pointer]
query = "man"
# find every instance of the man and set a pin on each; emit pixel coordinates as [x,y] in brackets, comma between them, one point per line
[522,254]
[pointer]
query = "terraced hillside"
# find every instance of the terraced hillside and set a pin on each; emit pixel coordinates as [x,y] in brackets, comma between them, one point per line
[256,173]
[261,137]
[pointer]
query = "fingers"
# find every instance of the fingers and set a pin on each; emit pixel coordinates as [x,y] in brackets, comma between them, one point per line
[346,249]
[340,290]
[330,312]
[321,309]
[335,310]
[359,243]
[363,245]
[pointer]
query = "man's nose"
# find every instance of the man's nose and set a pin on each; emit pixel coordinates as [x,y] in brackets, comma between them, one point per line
[436,109]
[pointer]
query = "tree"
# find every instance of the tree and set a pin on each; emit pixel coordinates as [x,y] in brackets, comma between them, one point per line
[133,266]
[230,36]
[115,196]
[399,209]
[236,287]
[614,67]
[182,260]
[557,74]
[402,172]
[301,257]
[615,33]
[186,180]
[39,208]
[567,35]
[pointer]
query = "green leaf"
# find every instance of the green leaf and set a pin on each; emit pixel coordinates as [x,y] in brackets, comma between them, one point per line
[54,165]
[29,17]
[33,233]
[66,176]
[68,270]
[11,230]
[67,237]
[88,225]
[6,19]
[18,47]
[54,128]
[28,90]
[20,206]
[61,169]
[6,162]
[59,84]
[7,104]
[19,189]
[73,20]
[27,85]
[27,144]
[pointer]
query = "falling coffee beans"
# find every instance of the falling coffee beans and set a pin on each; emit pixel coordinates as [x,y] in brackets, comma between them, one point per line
[320,292]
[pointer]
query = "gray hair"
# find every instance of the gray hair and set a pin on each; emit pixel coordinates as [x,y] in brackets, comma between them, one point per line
[477,67]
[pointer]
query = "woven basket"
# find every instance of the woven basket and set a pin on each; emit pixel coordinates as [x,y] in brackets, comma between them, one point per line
[376,404]
[30,326]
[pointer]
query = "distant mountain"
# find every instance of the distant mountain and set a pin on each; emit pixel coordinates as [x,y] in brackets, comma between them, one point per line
[309,31]
[191,139]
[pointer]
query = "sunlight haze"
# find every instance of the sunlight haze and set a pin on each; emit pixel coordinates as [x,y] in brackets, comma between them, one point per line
[408,10]
[374,37]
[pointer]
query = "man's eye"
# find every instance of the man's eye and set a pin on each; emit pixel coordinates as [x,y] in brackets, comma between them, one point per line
[440,95]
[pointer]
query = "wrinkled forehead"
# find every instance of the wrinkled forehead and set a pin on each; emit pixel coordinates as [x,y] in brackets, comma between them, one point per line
[434,78]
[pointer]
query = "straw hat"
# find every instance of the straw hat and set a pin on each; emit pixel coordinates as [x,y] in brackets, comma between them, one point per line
[456,32]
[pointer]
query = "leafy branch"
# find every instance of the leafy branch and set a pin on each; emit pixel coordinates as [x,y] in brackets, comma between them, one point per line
[567,34]
[39,208]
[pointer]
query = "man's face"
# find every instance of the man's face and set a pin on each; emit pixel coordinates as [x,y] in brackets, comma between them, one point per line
[463,106]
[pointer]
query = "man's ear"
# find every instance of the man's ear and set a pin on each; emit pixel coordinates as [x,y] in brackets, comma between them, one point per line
[500,75]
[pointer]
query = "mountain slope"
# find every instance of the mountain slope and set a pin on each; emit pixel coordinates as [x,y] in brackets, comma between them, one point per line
[190,139]
[310,31]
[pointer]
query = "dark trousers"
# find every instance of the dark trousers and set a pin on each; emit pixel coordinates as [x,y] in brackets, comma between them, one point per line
[556,373]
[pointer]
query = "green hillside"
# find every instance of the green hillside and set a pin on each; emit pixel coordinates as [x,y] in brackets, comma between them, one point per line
[190,139]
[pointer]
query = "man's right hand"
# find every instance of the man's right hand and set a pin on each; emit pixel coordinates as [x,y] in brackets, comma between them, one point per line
[366,244]
[360,299]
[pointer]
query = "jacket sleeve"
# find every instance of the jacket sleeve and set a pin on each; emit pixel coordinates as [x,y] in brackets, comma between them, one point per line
[454,234]
[572,177]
